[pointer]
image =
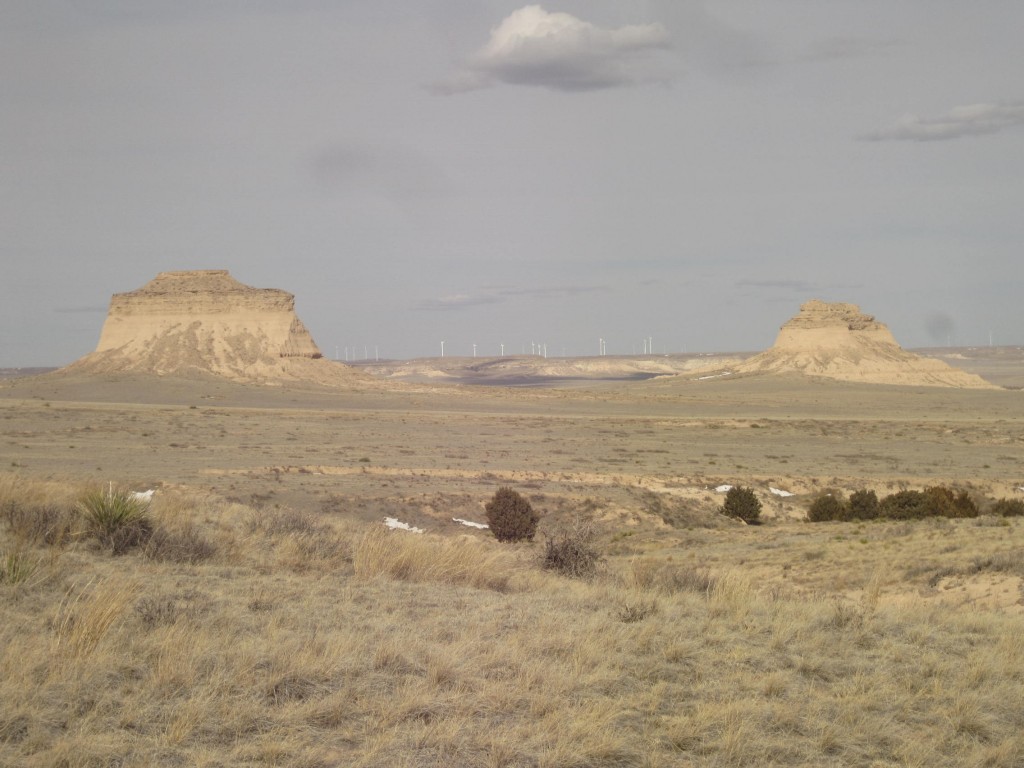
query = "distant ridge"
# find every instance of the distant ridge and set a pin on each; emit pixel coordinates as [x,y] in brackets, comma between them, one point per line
[838,341]
[206,322]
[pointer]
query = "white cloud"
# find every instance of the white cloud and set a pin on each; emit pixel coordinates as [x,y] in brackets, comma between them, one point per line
[970,120]
[454,302]
[562,52]
[499,294]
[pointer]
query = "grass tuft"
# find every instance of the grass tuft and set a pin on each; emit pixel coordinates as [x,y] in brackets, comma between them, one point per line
[423,558]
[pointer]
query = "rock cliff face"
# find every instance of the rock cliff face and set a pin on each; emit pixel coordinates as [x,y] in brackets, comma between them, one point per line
[837,341]
[205,321]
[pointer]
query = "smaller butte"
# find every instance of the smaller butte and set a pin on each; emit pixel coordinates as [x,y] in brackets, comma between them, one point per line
[838,341]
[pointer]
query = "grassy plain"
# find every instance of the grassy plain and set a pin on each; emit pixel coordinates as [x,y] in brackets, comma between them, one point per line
[272,619]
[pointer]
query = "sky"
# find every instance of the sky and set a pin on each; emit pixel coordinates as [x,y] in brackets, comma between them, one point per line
[492,173]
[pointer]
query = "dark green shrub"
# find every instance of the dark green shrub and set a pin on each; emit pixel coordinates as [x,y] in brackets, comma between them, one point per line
[511,517]
[1007,507]
[117,519]
[945,502]
[904,505]
[863,505]
[828,506]
[936,501]
[742,503]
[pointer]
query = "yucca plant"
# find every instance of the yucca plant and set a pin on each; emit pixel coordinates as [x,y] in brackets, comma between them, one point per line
[116,518]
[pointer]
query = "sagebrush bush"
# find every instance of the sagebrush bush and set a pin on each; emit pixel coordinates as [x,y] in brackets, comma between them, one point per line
[571,555]
[742,503]
[511,517]
[37,523]
[828,506]
[116,518]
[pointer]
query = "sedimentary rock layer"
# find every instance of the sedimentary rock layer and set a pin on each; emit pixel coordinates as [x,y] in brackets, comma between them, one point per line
[205,321]
[838,341]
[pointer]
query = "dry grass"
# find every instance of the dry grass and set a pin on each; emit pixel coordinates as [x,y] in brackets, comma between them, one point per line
[302,641]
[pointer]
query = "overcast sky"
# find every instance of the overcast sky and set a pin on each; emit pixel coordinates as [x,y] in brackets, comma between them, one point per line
[487,172]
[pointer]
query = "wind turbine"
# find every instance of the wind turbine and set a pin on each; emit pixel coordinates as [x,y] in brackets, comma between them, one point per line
[474,350]
[502,349]
[442,349]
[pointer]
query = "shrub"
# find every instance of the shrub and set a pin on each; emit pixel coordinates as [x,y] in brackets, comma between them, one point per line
[742,503]
[572,554]
[185,546]
[117,519]
[828,506]
[511,517]
[37,523]
[863,505]
[936,501]
[904,505]
[1007,507]
[945,502]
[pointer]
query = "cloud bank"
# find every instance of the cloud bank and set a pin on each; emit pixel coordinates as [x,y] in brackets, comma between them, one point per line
[970,120]
[561,52]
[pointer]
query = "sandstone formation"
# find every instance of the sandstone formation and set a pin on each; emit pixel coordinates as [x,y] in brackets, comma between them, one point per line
[837,341]
[206,322]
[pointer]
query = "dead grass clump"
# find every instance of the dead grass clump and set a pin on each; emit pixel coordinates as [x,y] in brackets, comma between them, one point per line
[185,546]
[423,558]
[669,578]
[633,611]
[571,554]
[156,611]
[38,512]
[300,538]
[45,523]
[84,619]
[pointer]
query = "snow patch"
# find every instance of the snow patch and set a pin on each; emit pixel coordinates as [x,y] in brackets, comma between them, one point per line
[779,492]
[715,376]
[395,524]
[470,523]
[723,489]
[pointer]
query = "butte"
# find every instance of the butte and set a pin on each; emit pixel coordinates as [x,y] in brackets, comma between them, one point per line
[838,341]
[204,322]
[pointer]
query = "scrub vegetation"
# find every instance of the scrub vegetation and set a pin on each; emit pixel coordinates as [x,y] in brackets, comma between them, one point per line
[252,635]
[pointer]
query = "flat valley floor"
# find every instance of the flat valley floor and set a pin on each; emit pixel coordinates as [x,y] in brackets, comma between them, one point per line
[633,454]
